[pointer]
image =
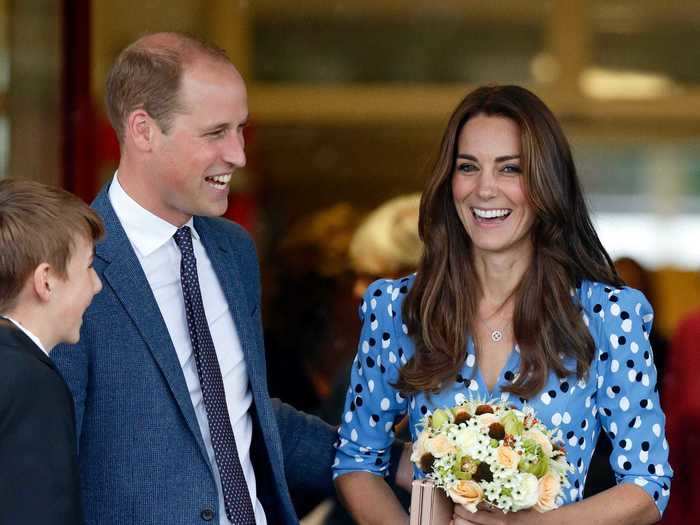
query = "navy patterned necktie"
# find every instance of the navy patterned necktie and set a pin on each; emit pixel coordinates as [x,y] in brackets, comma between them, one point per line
[239,509]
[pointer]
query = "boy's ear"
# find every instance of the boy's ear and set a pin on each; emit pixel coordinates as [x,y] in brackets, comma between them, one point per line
[42,282]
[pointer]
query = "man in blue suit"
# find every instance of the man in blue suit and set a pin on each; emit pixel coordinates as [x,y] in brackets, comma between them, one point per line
[175,425]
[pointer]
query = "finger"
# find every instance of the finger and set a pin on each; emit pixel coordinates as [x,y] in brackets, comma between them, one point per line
[461,511]
[481,517]
[487,507]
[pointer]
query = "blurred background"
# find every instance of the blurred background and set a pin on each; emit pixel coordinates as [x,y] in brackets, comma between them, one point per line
[348,100]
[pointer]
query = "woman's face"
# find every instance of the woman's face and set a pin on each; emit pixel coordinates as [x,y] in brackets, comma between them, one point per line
[488,186]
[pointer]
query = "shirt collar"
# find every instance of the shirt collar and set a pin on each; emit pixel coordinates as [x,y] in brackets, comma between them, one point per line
[26,332]
[146,231]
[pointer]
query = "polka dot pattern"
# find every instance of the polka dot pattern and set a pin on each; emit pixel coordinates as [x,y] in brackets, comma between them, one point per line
[618,396]
[237,503]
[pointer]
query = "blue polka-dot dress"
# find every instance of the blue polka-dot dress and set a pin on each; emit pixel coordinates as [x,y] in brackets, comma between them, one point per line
[618,396]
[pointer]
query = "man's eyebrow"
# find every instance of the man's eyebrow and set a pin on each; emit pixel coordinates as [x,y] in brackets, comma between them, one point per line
[218,125]
[224,125]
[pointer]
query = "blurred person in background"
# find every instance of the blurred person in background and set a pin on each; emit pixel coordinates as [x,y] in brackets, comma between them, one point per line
[514,298]
[387,242]
[310,313]
[681,397]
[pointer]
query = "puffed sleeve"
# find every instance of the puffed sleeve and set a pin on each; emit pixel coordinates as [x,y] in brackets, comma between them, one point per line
[627,396]
[372,404]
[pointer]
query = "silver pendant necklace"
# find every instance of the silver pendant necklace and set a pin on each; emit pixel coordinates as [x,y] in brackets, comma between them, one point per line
[496,334]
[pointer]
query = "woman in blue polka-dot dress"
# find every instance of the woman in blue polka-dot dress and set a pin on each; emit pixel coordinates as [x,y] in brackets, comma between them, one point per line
[514,273]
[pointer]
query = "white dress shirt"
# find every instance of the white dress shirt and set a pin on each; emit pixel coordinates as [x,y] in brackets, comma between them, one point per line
[152,240]
[26,332]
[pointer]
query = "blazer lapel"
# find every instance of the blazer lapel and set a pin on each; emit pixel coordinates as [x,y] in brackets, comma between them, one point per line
[229,274]
[224,260]
[125,277]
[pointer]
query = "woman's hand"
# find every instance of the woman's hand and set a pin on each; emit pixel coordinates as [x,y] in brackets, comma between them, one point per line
[625,504]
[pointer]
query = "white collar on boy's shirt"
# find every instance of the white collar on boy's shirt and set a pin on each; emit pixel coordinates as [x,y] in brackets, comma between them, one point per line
[146,231]
[30,335]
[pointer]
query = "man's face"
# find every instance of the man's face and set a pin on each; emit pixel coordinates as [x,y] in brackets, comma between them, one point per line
[71,296]
[194,162]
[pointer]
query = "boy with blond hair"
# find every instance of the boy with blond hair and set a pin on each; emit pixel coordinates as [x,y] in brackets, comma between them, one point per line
[47,238]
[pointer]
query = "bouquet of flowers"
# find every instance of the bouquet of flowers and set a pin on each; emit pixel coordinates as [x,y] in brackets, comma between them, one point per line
[489,452]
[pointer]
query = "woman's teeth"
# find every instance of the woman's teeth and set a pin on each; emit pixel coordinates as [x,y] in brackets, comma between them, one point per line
[491,214]
[218,181]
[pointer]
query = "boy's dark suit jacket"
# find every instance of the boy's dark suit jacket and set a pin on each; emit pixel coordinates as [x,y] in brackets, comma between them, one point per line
[38,463]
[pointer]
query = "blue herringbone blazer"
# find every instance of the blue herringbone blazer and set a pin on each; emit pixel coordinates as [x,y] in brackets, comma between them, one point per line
[142,458]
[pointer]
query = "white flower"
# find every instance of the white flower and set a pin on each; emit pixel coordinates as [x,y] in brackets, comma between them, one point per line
[526,492]
[419,447]
[466,439]
[488,419]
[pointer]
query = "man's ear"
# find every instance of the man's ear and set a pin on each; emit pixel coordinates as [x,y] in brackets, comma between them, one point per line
[43,281]
[140,128]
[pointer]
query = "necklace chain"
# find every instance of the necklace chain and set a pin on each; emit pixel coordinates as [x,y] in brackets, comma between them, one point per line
[496,333]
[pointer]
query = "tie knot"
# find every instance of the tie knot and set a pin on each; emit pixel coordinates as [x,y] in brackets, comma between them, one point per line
[183,239]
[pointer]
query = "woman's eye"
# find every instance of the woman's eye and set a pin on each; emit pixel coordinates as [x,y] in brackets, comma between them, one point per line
[511,168]
[466,167]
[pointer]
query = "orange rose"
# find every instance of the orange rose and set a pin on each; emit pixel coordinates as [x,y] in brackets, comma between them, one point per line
[439,446]
[467,493]
[507,457]
[548,490]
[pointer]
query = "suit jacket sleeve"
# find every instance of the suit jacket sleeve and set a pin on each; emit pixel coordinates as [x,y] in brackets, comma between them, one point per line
[307,446]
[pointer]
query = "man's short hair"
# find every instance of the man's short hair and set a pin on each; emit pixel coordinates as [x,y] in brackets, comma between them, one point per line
[148,73]
[38,223]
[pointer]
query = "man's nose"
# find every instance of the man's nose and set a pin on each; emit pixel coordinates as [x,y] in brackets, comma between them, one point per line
[234,149]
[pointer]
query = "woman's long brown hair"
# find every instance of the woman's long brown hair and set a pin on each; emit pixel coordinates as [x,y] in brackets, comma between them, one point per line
[440,309]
